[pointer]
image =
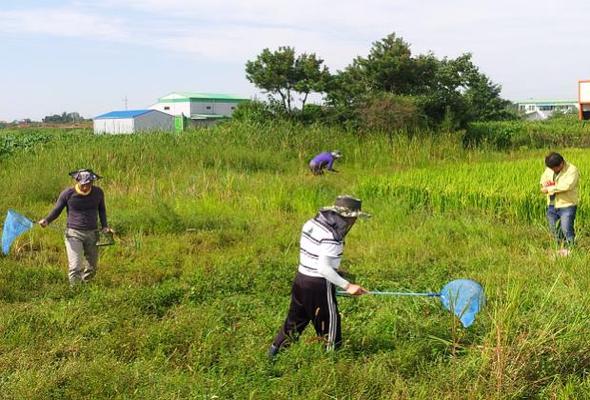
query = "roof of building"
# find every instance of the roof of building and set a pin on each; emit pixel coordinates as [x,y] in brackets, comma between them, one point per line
[123,114]
[548,102]
[179,96]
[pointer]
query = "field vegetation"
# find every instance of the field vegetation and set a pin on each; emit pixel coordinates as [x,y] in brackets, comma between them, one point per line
[559,131]
[187,302]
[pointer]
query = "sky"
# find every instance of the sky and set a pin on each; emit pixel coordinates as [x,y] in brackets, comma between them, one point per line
[89,56]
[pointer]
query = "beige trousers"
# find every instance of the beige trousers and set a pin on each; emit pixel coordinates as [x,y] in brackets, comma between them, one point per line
[82,254]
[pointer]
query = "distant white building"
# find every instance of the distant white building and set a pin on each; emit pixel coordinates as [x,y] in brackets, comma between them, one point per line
[131,121]
[543,109]
[200,108]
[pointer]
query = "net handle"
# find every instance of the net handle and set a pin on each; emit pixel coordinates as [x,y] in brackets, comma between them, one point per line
[378,293]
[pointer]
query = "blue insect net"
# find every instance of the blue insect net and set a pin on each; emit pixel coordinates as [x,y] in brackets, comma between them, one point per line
[15,224]
[464,298]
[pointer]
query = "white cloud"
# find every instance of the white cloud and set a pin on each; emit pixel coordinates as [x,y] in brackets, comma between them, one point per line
[538,36]
[244,43]
[62,22]
[227,36]
[305,14]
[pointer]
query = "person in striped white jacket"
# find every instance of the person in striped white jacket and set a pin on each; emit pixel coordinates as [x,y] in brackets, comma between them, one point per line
[313,292]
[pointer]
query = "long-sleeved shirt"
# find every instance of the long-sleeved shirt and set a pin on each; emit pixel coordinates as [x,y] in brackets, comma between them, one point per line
[82,209]
[565,191]
[321,248]
[325,159]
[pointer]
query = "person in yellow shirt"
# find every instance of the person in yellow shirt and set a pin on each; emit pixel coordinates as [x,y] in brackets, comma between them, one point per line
[560,182]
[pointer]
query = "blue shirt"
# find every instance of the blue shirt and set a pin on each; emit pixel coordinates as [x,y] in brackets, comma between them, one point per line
[324,159]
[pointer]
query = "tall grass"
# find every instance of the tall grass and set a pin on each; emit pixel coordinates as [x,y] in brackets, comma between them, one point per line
[566,131]
[188,300]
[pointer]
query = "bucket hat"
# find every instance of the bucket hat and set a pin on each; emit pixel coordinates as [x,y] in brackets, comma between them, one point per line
[84,176]
[347,206]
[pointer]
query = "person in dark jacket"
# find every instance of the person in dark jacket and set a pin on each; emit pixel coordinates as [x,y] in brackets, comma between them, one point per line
[84,204]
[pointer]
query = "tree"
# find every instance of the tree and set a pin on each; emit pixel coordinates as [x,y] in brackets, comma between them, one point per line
[281,73]
[389,66]
[312,76]
[63,118]
[389,113]
[449,90]
[485,103]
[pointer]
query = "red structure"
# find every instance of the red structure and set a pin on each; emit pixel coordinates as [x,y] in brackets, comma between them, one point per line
[584,99]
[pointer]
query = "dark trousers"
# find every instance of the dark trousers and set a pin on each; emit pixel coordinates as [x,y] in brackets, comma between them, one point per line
[561,222]
[312,299]
[317,169]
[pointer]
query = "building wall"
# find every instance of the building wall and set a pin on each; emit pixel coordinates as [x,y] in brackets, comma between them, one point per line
[173,108]
[210,107]
[535,116]
[151,121]
[114,126]
[154,121]
[543,110]
[547,107]
[226,109]
[202,107]
[196,107]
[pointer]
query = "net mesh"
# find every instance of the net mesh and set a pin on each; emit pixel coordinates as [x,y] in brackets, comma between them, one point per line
[15,225]
[464,298]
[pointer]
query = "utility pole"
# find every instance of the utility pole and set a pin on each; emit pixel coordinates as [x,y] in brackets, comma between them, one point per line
[125,102]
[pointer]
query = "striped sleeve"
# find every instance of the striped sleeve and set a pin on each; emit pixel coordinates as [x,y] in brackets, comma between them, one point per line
[330,248]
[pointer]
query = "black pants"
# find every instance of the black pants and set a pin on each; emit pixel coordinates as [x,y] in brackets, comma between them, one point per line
[312,299]
[317,169]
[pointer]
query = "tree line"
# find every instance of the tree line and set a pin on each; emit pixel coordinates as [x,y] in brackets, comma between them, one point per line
[64,117]
[389,89]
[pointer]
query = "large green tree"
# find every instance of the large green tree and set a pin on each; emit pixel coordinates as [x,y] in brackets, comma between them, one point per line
[445,89]
[282,73]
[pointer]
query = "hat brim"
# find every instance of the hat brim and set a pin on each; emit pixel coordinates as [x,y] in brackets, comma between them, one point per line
[346,212]
[92,176]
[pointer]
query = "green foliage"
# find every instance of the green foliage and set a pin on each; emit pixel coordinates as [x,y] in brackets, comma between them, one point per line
[315,113]
[283,73]
[63,118]
[392,114]
[187,301]
[253,111]
[565,131]
[389,67]
[11,141]
[451,92]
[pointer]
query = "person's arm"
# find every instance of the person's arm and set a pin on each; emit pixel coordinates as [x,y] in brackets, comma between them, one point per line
[568,182]
[102,212]
[328,261]
[546,179]
[331,164]
[61,203]
[326,269]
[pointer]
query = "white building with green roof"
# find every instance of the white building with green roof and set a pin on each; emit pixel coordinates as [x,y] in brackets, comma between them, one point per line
[543,109]
[199,107]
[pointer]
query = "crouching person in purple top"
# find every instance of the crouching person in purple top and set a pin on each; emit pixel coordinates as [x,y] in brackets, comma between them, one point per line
[83,202]
[313,294]
[324,160]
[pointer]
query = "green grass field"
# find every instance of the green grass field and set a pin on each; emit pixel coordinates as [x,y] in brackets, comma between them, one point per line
[163,319]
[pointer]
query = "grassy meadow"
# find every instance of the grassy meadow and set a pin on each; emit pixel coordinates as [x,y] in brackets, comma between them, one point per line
[187,302]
